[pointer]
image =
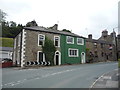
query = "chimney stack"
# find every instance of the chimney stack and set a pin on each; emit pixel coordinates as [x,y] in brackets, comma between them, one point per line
[90,36]
[55,27]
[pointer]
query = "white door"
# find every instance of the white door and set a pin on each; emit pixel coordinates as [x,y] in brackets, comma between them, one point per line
[82,57]
[57,58]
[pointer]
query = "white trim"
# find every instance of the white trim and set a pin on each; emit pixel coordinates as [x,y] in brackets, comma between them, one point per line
[73,55]
[72,40]
[14,43]
[58,41]
[18,57]
[14,56]
[38,56]
[39,38]
[23,48]
[59,57]
[19,39]
[83,60]
[80,43]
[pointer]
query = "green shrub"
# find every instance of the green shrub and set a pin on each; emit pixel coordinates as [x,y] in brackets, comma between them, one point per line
[119,62]
[49,50]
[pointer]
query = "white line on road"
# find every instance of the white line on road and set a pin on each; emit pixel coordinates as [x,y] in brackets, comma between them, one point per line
[100,78]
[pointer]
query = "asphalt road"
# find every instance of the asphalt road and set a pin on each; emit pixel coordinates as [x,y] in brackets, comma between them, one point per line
[69,76]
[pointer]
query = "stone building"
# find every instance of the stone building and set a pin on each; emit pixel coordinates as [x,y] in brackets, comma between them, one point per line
[118,46]
[70,48]
[102,49]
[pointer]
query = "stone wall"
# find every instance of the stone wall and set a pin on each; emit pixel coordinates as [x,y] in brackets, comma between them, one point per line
[32,44]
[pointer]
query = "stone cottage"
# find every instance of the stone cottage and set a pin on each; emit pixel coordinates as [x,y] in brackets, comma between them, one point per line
[103,49]
[70,48]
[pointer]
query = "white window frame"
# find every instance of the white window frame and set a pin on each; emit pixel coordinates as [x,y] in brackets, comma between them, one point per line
[39,38]
[38,56]
[72,40]
[73,55]
[80,43]
[58,41]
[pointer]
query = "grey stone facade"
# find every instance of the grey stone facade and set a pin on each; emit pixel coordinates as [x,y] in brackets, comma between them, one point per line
[26,46]
[32,44]
[118,46]
[17,50]
[103,49]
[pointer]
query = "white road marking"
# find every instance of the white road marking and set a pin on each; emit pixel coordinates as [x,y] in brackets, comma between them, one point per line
[99,79]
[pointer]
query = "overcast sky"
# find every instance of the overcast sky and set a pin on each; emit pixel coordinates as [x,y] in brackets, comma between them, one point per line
[83,17]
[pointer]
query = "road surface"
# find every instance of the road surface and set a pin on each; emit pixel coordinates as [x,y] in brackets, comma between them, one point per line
[69,76]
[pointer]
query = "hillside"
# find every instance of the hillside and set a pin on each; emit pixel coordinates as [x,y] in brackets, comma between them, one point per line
[6,42]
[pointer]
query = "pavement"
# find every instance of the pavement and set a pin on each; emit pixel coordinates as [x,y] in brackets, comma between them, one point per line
[108,80]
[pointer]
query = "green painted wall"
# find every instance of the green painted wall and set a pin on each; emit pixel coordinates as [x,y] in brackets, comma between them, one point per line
[65,59]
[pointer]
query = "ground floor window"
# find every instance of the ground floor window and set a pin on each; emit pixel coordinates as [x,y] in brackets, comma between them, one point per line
[40,56]
[73,52]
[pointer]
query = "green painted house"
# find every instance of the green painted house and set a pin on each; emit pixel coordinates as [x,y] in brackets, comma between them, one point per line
[70,48]
[73,49]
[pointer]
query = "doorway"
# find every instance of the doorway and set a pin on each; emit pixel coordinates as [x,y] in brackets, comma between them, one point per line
[82,57]
[57,58]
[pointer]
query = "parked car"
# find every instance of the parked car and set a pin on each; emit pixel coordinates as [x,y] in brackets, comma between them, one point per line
[6,62]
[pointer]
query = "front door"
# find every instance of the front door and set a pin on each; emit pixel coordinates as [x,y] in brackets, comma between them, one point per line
[82,57]
[40,56]
[57,58]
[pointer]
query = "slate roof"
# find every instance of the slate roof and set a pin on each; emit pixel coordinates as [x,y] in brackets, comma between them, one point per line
[43,29]
[6,48]
[98,41]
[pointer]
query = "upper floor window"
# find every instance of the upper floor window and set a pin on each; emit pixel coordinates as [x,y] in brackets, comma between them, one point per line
[80,41]
[57,41]
[73,52]
[95,45]
[70,40]
[41,39]
[102,45]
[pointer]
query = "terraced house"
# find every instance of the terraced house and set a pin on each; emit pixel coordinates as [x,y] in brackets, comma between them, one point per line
[70,48]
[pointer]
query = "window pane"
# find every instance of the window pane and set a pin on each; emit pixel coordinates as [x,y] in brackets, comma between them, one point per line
[73,52]
[80,41]
[40,56]
[40,42]
[70,39]
[56,43]
[41,39]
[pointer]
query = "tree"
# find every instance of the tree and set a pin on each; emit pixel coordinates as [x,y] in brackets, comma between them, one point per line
[2,16]
[49,50]
[10,29]
[12,24]
[32,23]
[65,30]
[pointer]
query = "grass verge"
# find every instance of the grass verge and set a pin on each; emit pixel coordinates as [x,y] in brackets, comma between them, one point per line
[6,42]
